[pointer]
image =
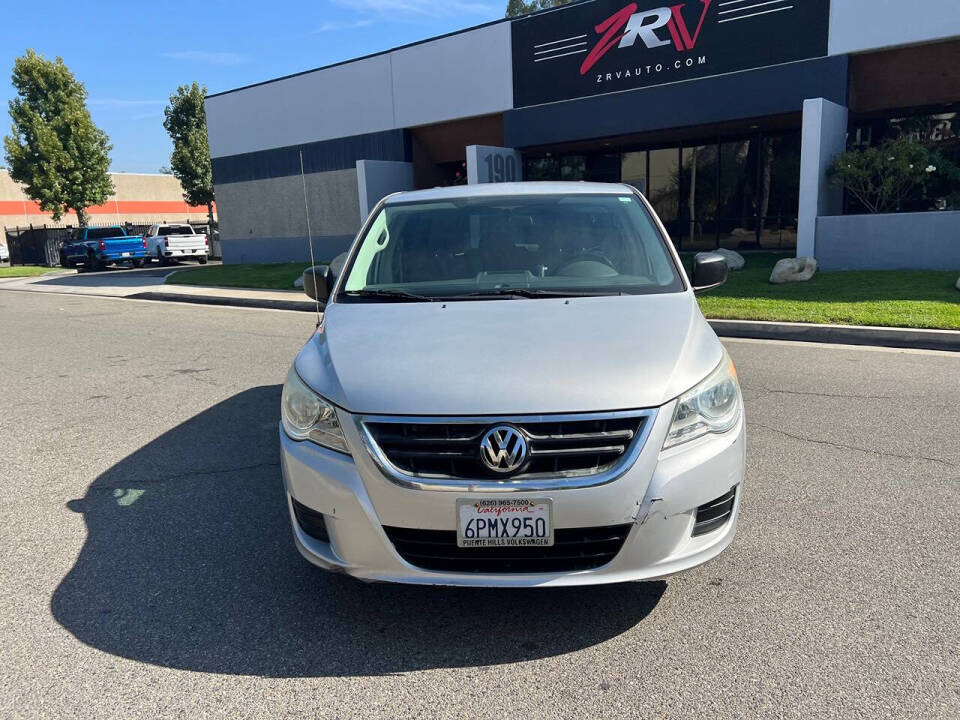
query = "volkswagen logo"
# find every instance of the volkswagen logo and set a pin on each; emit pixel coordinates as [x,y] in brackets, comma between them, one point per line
[503,449]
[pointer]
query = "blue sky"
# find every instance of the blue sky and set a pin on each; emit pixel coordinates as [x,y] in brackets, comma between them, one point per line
[132,55]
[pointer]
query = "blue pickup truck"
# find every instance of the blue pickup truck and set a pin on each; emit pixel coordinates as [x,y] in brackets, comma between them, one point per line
[96,247]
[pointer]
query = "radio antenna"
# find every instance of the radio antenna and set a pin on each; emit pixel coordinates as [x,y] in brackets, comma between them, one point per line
[306,209]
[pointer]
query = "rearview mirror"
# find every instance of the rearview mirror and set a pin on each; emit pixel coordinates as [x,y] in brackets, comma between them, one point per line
[709,271]
[318,282]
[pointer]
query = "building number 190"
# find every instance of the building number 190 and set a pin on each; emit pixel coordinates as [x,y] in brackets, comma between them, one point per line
[500,168]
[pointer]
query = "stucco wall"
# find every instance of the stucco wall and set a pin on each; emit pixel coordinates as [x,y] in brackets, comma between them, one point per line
[858,25]
[907,241]
[265,220]
[463,75]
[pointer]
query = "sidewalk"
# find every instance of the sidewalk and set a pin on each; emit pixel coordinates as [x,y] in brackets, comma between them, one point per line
[148,284]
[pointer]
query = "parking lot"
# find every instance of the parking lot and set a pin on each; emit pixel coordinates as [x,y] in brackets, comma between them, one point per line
[148,568]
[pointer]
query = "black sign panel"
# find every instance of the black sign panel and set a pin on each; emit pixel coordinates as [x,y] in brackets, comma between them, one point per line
[612,45]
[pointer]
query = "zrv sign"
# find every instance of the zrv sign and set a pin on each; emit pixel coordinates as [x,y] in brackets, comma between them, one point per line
[609,46]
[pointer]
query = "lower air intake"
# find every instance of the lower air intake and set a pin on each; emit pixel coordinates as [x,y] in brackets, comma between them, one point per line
[573,549]
[714,514]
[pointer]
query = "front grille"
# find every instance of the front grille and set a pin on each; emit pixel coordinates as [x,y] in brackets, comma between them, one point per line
[311,521]
[715,513]
[570,446]
[573,549]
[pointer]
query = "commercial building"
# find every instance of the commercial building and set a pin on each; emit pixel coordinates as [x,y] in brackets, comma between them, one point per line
[726,113]
[139,198]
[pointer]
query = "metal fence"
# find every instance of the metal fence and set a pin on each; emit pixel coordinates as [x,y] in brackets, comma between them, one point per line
[40,244]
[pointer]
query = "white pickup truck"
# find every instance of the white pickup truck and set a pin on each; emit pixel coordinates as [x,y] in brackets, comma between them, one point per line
[176,242]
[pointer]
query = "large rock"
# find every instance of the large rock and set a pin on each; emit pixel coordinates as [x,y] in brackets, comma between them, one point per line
[958,283]
[734,260]
[798,269]
[298,283]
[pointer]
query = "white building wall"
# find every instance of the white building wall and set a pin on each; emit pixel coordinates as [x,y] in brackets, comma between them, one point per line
[350,99]
[463,75]
[859,25]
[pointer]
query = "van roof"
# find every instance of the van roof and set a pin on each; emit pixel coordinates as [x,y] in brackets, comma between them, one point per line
[516,188]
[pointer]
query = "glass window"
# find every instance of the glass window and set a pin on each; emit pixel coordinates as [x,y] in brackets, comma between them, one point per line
[487,246]
[573,167]
[698,198]
[633,170]
[737,202]
[778,192]
[542,168]
[664,183]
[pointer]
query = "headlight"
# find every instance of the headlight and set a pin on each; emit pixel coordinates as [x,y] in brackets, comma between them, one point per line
[307,416]
[712,406]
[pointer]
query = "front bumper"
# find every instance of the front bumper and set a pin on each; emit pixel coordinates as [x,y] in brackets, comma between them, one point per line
[658,496]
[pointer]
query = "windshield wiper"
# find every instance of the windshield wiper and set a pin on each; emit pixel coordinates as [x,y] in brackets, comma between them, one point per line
[534,293]
[401,295]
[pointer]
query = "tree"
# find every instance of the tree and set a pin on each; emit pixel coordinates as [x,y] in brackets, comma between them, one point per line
[185,120]
[516,8]
[55,150]
[897,172]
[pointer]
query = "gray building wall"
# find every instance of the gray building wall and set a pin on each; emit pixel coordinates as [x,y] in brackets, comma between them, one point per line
[910,241]
[463,75]
[265,220]
[858,25]
[378,178]
[824,135]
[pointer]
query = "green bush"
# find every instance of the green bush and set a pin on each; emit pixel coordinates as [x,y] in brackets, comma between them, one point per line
[898,175]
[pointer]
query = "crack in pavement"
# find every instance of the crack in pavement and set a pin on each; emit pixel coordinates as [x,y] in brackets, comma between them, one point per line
[760,388]
[841,446]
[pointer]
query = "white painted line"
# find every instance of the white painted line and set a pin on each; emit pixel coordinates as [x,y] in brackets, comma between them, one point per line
[557,42]
[749,7]
[554,57]
[765,12]
[565,47]
[732,2]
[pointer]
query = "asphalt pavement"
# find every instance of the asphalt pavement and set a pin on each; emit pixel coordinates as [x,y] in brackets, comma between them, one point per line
[147,567]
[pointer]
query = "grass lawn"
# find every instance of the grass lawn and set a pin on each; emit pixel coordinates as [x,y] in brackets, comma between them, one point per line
[26,271]
[895,298]
[889,298]
[267,276]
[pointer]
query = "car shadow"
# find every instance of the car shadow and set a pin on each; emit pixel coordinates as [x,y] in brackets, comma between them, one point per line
[189,563]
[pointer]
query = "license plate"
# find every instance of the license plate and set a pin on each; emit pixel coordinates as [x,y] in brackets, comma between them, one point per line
[504,522]
[126,254]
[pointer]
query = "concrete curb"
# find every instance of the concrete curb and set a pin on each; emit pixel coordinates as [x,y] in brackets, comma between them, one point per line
[911,338]
[250,302]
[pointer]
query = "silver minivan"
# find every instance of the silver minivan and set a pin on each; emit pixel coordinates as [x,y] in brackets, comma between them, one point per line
[513,385]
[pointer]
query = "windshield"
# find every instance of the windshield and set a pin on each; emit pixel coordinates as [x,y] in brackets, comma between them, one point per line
[104,233]
[522,246]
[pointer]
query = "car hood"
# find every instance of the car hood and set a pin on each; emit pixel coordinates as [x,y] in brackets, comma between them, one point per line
[510,357]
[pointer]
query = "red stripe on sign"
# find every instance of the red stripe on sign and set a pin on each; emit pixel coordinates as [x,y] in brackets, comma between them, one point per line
[122,207]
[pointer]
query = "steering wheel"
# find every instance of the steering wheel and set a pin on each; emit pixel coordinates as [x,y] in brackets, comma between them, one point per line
[591,256]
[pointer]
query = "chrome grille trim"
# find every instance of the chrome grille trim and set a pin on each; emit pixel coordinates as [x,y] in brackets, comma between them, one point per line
[626,443]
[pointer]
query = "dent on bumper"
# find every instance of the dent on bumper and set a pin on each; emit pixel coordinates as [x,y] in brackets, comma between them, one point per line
[662,511]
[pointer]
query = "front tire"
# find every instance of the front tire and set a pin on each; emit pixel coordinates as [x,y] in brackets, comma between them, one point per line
[161,258]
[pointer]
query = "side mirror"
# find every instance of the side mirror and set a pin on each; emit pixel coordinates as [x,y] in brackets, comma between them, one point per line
[709,271]
[336,265]
[318,282]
